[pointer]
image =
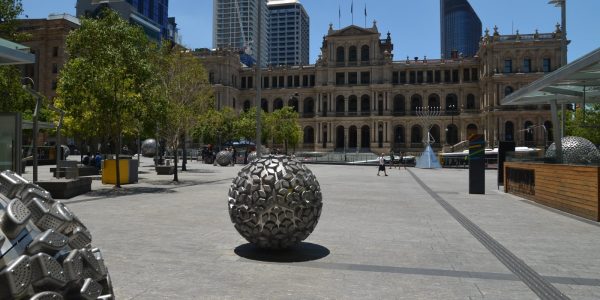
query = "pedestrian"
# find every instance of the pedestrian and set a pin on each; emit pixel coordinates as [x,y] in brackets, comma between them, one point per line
[381,165]
[234,157]
[392,158]
[401,161]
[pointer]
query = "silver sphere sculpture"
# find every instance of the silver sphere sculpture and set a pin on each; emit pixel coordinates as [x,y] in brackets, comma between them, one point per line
[224,158]
[149,148]
[252,156]
[275,202]
[576,150]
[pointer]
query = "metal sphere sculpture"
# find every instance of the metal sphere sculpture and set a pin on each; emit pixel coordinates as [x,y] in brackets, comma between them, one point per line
[275,202]
[47,252]
[576,150]
[224,158]
[252,156]
[149,147]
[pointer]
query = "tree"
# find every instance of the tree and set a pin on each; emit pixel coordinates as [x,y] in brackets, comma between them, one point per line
[245,124]
[187,93]
[101,88]
[218,126]
[585,124]
[284,127]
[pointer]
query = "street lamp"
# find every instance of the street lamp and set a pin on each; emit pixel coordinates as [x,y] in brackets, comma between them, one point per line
[38,104]
[449,133]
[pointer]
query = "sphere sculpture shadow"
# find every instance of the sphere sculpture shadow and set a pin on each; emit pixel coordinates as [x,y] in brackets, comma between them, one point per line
[576,150]
[275,202]
[224,158]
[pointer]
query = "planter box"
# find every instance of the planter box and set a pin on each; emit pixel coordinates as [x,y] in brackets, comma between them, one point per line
[165,170]
[67,188]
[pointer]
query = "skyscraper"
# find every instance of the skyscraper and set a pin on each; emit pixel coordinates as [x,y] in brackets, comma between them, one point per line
[460,28]
[289,33]
[235,25]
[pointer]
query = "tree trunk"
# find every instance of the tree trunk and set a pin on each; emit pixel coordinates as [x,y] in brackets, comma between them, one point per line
[184,160]
[175,177]
[118,177]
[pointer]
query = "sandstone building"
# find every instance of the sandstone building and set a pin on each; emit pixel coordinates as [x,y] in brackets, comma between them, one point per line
[359,98]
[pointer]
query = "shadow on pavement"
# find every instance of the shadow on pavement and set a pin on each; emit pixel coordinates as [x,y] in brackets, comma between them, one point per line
[300,253]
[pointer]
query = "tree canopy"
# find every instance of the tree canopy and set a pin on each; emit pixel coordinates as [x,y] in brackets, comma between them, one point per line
[585,124]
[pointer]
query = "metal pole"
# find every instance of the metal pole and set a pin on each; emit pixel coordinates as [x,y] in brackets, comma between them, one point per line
[35,133]
[557,137]
[258,81]
[563,13]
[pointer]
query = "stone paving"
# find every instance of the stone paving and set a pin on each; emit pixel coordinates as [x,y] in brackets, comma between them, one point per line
[416,234]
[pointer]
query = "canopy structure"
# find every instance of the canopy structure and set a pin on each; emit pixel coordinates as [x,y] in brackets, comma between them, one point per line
[14,54]
[577,82]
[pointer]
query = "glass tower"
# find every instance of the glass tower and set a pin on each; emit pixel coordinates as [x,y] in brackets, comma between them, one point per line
[289,33]
[460,28]
[235,25]
[155,10]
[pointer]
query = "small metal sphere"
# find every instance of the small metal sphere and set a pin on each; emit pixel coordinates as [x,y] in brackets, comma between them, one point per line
[275,202]
[149,147]
[576,150]
[224,158]
[252,156]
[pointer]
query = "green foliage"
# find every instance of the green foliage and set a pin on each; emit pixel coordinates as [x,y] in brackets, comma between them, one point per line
[284,127]
[587,126]
[9,11]
[102,86]
[217,126]
[245,125]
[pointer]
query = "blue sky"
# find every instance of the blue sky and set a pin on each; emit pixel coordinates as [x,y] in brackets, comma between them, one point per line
[414,25]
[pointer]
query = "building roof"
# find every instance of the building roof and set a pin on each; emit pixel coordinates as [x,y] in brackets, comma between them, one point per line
[576,82]
[14,54]
[282,2]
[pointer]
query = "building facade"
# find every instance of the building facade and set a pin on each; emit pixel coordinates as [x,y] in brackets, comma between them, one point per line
[48,39]
[288,33]
[358,98]
[235,26]
[151,15]
[460,29]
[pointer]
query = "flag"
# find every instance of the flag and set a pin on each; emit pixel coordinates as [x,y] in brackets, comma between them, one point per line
[352,7]
[365,9]
[339,12]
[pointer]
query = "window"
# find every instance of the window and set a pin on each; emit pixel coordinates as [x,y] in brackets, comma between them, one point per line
[394,77]
[413,77]
[340,78]
[402,77]
[312,80]
[266,82]
[54,85]
[447,76]
[526,65]
[438,77]
[244,79]
[304,80]
[296,80]
[508,66]
[250,82]
[352,78]
[54,68]
[508,90]
[547,65]
[290,81]
[211,77]
[365,78]
[420,76]
[281,82]
[475,74]
[340,55]
[364,53]
[274,81]
[429,76]
[455,78]
[352,54]
[466,74]
[55,51]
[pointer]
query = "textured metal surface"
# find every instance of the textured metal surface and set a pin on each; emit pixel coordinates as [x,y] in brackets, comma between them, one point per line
[149,147]
[576,150]
[540,286]
[224,158]
[51,257]
[275,202]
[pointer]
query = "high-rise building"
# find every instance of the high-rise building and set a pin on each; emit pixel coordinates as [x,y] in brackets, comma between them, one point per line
[151,15]
[460,29]
[288,33]
[235,25]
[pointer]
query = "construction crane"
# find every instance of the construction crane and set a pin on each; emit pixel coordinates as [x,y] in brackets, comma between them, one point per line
[246,42]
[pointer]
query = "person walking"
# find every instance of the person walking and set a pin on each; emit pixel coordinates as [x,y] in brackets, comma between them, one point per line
[392,156]
[381,165]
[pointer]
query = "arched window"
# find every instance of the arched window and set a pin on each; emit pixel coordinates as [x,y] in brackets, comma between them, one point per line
[399,135]
[433,101]
[277,104]
[293,103]
[352,104]
[415,102]
[352,137]
[416,134]
[309,107]
[364,53]
[247,105]
[451,102]
[309,135]
[471,101]
[339,137]
[365,104]
[451,134]
[509,131]
[365,137]
[528,130]
[352,54]
[471,129]
[340,104]
[340,54]
[508,90]
[264,105]
[399,105]
[435,133]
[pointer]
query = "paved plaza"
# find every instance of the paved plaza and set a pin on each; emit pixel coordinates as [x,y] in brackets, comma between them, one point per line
[416,234]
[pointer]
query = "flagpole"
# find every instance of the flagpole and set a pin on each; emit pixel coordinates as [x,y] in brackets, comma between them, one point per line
[352,11]
[365,15]
[339,16]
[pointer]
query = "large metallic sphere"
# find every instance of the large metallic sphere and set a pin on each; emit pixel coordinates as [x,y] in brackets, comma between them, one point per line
[224,158]
[576,150]
[149,147]
[51,256]
[252,156]
[275,202]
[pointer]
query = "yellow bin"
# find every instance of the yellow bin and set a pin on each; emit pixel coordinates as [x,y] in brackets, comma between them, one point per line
[127,170]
